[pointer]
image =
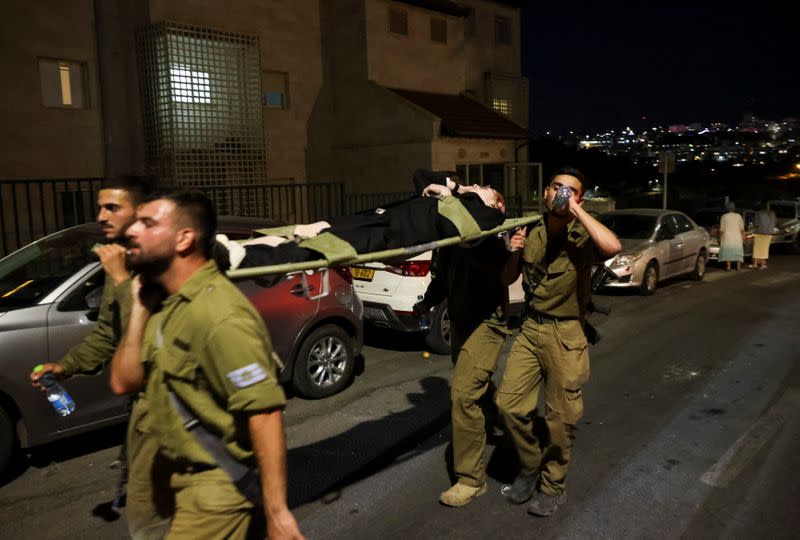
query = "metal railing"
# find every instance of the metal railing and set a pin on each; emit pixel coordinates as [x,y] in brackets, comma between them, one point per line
[290,203]
[356,202]
[31,209]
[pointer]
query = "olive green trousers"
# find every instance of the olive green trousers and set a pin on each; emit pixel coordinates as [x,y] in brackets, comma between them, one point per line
[552,356]
[475,354]
[149,503]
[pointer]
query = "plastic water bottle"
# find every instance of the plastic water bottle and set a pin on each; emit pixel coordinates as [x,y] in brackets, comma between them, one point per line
[58,397]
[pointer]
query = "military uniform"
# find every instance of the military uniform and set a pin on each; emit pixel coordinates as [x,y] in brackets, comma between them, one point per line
[89,357]
[477,303]
[551,351]
[97,349]
[215,355]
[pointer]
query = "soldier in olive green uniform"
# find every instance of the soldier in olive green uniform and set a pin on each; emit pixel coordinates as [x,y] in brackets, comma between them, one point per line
[551,351]
[116,202]
[205,344]
[477,303]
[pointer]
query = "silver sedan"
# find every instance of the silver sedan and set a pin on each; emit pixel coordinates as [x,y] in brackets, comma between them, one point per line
[656,245]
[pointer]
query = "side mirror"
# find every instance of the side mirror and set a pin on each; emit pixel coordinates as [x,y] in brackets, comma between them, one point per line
[665,235]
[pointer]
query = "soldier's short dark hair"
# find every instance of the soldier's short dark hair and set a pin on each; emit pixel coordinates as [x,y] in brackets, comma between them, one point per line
[198,212]
[572,171]
[139,188]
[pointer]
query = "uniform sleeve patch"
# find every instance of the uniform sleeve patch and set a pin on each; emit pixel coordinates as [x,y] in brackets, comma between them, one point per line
[247,375]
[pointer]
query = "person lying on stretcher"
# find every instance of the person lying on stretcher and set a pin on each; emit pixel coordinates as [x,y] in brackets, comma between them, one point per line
[406,223]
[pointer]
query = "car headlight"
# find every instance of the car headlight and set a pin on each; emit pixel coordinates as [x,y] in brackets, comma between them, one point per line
[788,229]
[627,259]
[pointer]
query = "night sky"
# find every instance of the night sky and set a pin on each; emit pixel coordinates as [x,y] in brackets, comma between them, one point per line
[602,65]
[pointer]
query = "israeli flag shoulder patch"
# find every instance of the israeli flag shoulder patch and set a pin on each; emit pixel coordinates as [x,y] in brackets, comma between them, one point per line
[247,375]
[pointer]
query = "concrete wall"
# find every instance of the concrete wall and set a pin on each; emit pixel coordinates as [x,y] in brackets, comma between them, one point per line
[363,134]
[289,33]
[117,22]
[449,152]
[414,62]
[37,141]
[481,53]
[386,139]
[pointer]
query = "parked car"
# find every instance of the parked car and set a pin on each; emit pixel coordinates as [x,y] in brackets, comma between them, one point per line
[390,290]
[46,291]
[708,218]
[656,245]
[787,220]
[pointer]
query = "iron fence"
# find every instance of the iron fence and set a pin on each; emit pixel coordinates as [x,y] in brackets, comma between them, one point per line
[290,203]
[30,209]
[356,202]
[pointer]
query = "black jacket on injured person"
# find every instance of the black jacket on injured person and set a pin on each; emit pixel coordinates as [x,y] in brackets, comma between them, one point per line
[405,223]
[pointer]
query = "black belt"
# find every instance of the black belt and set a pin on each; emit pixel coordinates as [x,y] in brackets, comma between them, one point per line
[541,318]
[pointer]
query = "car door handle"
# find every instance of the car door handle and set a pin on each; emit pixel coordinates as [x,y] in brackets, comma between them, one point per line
[298,290]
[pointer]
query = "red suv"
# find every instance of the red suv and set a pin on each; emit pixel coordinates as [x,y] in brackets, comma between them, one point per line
[317,339]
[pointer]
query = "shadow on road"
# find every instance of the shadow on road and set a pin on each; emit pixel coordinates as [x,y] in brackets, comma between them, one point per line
[325,468]
[50,454]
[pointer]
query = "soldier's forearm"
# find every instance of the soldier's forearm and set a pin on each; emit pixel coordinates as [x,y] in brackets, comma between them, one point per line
[127,371]
[269,444]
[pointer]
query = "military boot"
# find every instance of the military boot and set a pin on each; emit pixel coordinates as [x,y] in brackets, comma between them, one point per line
[461,494]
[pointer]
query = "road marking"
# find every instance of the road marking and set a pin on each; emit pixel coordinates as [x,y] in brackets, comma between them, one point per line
[742,452]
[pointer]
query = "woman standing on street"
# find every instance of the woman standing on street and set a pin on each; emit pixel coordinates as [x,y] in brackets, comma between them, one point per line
[765,227]
[731,238]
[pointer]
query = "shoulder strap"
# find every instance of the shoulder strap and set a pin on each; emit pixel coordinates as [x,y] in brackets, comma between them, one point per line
[453,210]
[245,478]
[334,249]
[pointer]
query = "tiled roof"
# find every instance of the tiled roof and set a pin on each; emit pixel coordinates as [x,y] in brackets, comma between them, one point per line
[464,117]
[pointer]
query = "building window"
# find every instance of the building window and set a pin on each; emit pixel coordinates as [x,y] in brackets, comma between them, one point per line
[276,90]
[398,21]
[438,30]
[63,84]
[502,30]
[501,105]
[189,86]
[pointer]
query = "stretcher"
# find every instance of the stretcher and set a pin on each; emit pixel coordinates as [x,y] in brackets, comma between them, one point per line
[336,253]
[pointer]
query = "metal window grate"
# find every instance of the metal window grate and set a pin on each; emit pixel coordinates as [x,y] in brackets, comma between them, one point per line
[201,97]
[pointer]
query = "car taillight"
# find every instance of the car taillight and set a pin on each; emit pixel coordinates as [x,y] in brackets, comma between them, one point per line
[344,272]
[410,268]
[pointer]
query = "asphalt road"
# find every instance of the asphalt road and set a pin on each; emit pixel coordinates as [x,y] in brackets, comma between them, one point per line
[691,431]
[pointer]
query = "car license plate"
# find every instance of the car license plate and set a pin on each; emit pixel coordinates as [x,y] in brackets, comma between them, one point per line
[364,274]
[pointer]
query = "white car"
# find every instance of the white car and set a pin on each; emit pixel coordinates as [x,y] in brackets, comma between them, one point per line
[656,245]
[787,221]
[389,292]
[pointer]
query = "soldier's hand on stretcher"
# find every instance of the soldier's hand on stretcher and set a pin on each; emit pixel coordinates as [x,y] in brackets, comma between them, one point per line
[517,241]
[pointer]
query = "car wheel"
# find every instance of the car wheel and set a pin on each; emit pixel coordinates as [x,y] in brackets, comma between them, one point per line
[699,267]
[8,440]
[649,279]
[325,361]
[438,338]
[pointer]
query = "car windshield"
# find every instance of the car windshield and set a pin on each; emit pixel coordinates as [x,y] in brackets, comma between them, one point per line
[783,211]
[31,273]
[630,225]
[708,218]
